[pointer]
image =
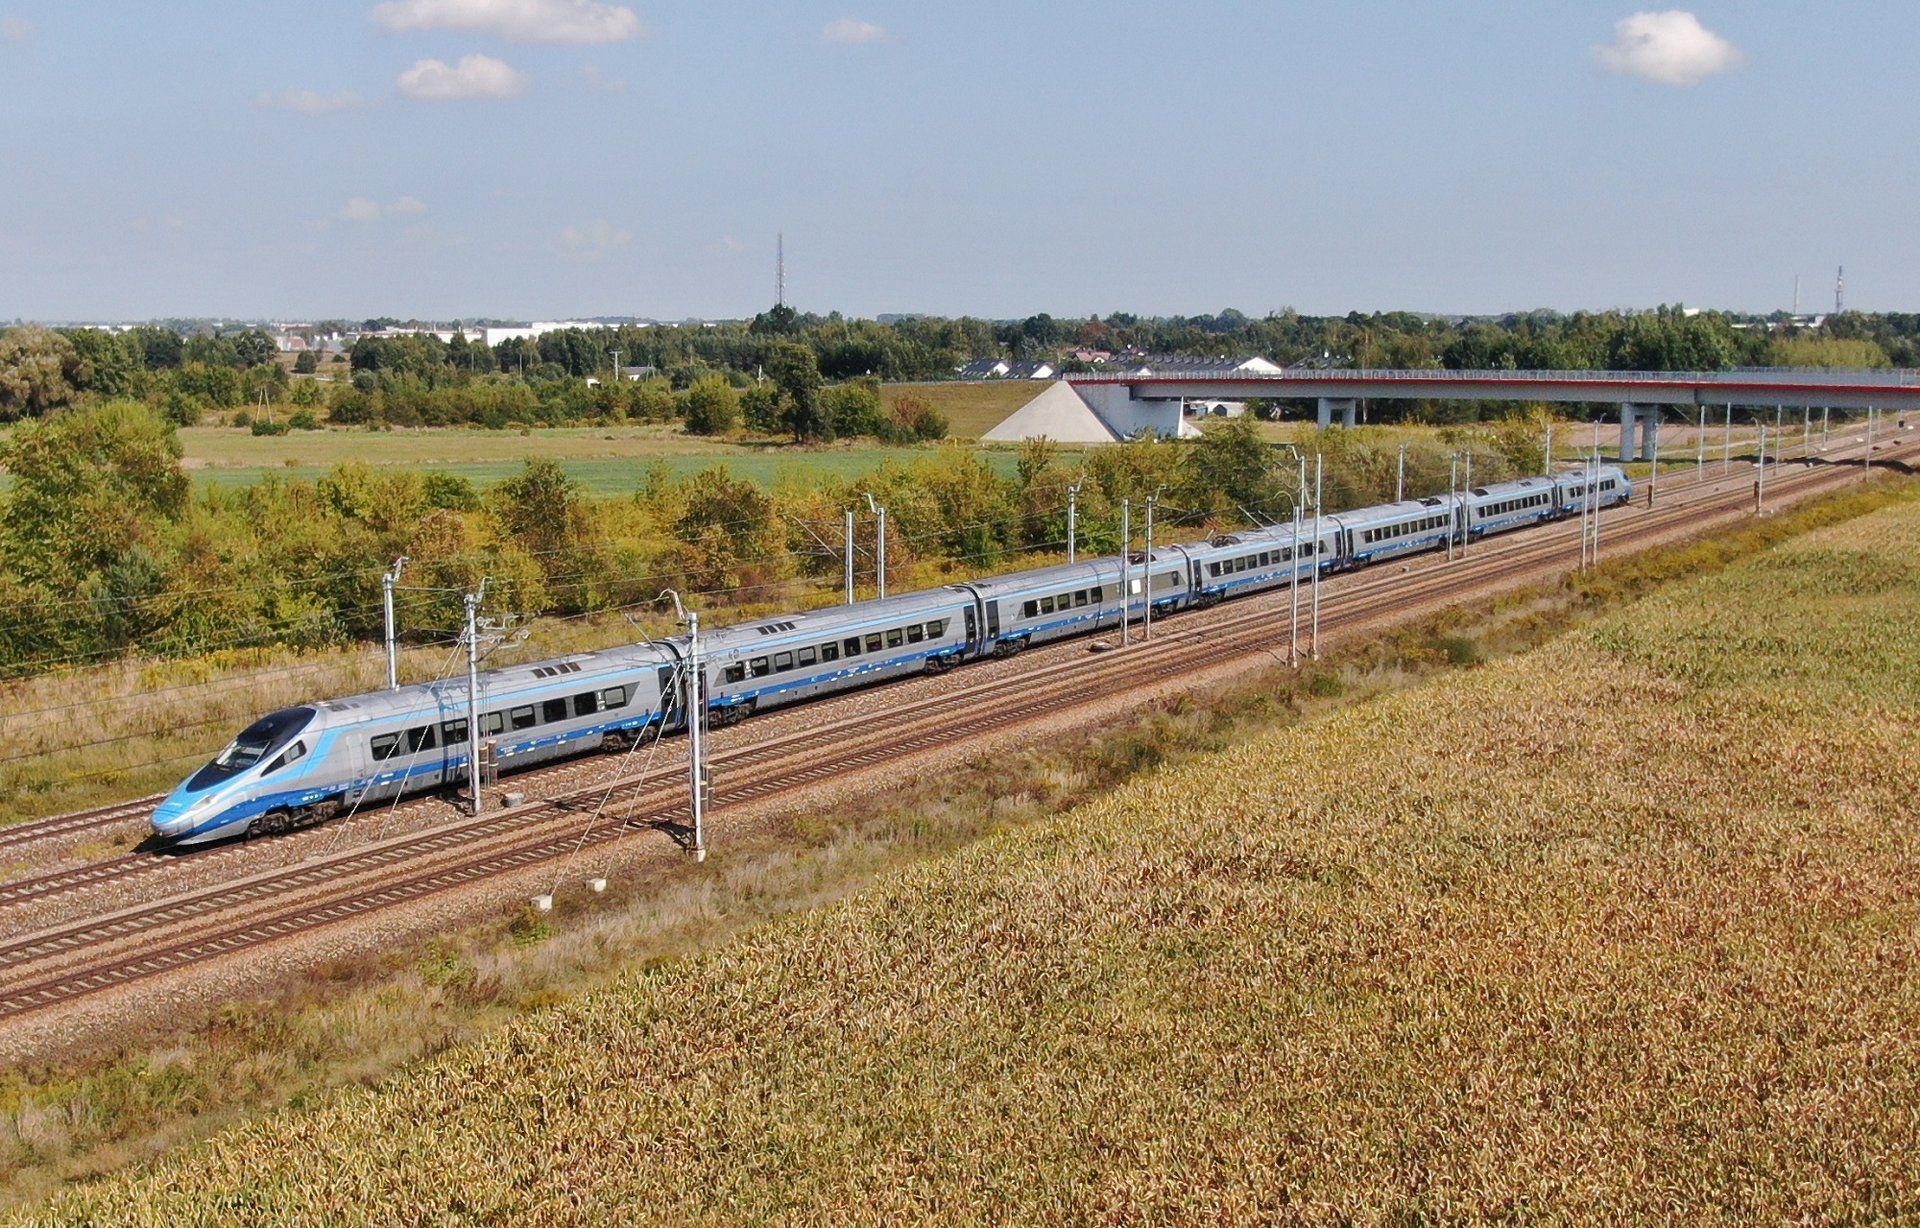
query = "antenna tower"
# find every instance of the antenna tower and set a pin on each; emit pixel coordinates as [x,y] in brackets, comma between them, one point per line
[1840,290]
[780,270]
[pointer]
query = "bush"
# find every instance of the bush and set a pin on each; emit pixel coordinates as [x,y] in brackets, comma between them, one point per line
[303,420]
[183,409]
[710,407]
[306,364]
[263,427]
[760,406]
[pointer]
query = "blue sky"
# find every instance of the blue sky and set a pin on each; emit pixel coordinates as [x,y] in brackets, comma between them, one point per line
[312,159]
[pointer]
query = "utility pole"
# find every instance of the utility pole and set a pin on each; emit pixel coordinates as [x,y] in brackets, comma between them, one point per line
[880,550]
[1146,625]
[1760,483]
[1466,505]
[698,779]
[1700,442]
[1073,521]
[1546,461]
[1726,466]
[849,556]
[696,736]
[393,644]
[1126,571]
[1806,434]
[1593,494]
[1869,468]
[1826,425]
[473,695]
[1453,488]
[613,381]
[1653,477]
[1317,469]
[1400,477]
[1293,651]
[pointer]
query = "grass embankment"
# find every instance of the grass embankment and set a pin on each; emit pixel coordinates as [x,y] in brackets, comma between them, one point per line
[1624,927]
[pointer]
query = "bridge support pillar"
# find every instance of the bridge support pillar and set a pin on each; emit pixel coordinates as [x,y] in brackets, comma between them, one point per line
[1347,406]
[1645,419]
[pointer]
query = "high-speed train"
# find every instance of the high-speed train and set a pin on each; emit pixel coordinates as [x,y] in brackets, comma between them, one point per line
[305,764]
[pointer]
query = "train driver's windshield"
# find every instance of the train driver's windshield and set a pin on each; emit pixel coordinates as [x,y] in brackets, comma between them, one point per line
[256,742]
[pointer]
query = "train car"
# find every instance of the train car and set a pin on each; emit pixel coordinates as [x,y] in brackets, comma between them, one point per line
[754,666]
[1570,489]
[1392,530]
[1047,603]
[308,763]
[1504,506]
[1238,564]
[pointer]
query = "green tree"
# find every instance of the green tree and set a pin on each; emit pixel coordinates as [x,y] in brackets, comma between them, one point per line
[88,487]
[1230,466]
[306,363]
[711,406]
[760,408]
[39,371]
[796,372]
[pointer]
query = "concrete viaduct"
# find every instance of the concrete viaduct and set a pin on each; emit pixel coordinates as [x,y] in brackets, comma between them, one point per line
[1133,402]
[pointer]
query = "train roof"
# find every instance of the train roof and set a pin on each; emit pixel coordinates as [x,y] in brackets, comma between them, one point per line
[1513,486]
[1385,513]
[825,621]
[1059,576]
[494,684]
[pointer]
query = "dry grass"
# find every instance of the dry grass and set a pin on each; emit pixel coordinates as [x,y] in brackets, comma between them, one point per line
[972,407]
[1621,929]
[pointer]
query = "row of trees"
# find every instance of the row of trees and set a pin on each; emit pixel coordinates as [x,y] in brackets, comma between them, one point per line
[42,370]
[106,549]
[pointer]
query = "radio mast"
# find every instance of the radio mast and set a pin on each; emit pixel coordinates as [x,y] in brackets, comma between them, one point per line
[780,270]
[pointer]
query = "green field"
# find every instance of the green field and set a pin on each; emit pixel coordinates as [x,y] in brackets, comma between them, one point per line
[1622,929]
[606,460]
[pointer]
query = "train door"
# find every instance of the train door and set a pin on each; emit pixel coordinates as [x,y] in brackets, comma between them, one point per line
[993,620]
[973,628]
[670,705]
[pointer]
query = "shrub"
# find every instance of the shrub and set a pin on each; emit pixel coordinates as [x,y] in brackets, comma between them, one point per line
[303,420]
[262,426]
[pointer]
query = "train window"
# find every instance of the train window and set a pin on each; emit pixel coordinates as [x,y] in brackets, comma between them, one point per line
[1133,587]
[894,639]
[807,656]
[758,667]
[873,642]
[936,628]
[734,673]
[493,723]
[521,718]
[829,652]
[1213,569]
[586,704]
[915,633]
[1099,593]
[782,662]
[614,697]
[1080,598]
[295,752]
[1046,605]
[384,745]
[852,646]
[453,733]
[553,710]
[1029,609]
[420,738]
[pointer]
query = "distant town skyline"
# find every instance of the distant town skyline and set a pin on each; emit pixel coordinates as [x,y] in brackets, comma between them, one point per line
[541,159]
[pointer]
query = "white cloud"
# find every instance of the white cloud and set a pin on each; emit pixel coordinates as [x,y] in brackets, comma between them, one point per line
[366,209]
[847,30]
[522,21]
[1670,48]
[15,30]
[596,238]
[475,76]
[309,102]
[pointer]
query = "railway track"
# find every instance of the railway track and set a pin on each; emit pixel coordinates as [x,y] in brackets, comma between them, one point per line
[19,835]
[327,890]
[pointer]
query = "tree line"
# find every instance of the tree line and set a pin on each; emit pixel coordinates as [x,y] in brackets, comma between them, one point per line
[776,368]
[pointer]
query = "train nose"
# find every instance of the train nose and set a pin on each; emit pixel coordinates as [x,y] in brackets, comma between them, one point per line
[181,810]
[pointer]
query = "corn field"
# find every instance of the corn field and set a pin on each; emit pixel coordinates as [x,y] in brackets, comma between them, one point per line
[1621,929]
